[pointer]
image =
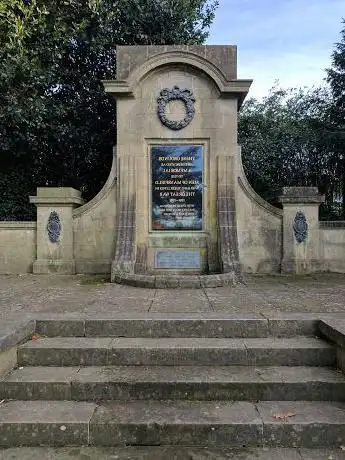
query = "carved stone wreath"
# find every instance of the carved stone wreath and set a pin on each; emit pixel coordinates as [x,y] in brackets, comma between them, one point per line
[176,94]
[54,227]
[300,227]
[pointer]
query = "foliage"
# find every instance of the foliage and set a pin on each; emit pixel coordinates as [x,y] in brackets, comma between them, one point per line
[57,125]
[297,137]
[287,141]
[336,80]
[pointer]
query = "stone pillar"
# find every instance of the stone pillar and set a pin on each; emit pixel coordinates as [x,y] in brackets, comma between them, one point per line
[124,260]
[301,235]
[55,252]
[226,214]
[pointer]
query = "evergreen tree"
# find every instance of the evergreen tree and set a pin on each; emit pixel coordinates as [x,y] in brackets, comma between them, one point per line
[336,80]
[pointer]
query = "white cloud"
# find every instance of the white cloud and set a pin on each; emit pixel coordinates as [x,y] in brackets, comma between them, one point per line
[286,40]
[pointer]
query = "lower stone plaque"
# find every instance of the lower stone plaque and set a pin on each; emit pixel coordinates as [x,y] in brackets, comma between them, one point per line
[178,259]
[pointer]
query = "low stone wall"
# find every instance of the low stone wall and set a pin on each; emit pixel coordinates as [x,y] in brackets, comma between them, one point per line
[260,230]
[332,242]
[17,247]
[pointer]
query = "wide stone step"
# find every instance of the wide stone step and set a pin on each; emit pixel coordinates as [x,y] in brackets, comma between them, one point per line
[85,351]
[182,423]
[179,325]
[180,382]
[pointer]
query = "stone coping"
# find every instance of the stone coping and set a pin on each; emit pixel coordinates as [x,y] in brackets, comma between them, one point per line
[300,195]
[15,332]
[18,225]
[176,281]
[332,224]
[334,330]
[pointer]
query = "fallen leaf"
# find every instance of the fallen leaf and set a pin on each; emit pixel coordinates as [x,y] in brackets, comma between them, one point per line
[281,416]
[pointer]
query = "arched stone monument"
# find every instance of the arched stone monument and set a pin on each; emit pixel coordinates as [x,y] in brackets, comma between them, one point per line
[177,209]
[178,160]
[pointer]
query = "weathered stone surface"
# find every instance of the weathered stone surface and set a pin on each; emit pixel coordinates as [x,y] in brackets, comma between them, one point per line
[321,454]
[299,351]
[14,332]
[288,326]
[174,382]
[175,351]
[156,325]
[176,423]
[34,383]
[190,282]
[64,351]
[39,423]
[208,383]
[87,351]
[167,282]
[8,360]
[314,424]
[171,453]
[320,295]
[61,328]
[334,330]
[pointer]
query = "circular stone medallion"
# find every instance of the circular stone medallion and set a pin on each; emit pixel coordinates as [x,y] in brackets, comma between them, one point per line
[176,94]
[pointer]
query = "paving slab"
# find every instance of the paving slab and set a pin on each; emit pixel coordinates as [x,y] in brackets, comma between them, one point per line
[168,453]
[50,423]
[157,453]
[303,424]
[189,300]
[23,294]
[176,423]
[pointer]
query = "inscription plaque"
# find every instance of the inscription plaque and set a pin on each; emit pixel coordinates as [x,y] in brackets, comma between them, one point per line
[177,187]
[178,259]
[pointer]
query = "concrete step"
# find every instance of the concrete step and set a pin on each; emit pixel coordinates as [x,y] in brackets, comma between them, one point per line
[85,351]
[174,382]
[169,453]
[220,325]
[182,423]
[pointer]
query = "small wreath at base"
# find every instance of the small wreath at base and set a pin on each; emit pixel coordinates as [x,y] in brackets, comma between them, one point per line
[176,94]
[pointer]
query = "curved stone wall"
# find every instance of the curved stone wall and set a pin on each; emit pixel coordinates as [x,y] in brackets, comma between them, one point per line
[94,226]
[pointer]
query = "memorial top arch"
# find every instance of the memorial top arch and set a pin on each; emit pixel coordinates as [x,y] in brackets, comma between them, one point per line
[217,62]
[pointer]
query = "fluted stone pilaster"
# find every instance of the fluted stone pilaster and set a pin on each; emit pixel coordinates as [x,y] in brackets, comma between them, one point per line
[226,215]
[125,231]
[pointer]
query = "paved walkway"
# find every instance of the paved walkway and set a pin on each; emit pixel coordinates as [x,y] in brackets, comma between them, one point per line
[27,295]
[19,295]
[168,453]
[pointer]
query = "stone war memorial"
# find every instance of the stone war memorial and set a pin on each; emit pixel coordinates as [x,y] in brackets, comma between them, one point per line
[162,373]
[177,209]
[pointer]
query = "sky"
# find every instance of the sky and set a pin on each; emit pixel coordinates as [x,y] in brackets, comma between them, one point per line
[286,40]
